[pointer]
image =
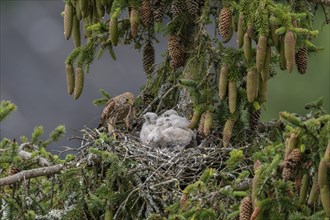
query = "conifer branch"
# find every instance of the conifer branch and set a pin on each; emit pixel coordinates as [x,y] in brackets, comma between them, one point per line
[28,174]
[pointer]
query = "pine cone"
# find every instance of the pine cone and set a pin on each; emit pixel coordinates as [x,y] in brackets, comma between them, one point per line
[287,173]
[240,30]
[227,131]
[78,11]
[79,82]
[158,10]
[176,51]
[291,164]
[247,47]
[232,96]
[134,22]
[289,49]
[147,98]
[76,32]
[148,58]
[193,7]
[113,29]
[208,122]
[68,20]
[146,13]
[282,54]
[13,170]
[302,59]
[245,209]
[266,66]
[263,90]
[201,125]
[261,52]
[223,81]
[295,156]
[177,7]
[252,84]
[225,24]
[69,77]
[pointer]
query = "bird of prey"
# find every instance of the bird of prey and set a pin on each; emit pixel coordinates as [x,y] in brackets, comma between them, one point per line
[119,108]
[148,126]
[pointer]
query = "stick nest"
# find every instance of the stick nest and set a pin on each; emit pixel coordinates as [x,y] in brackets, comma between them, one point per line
[158,174]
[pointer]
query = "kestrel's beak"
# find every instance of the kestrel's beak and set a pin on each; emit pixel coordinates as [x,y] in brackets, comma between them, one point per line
[131,102]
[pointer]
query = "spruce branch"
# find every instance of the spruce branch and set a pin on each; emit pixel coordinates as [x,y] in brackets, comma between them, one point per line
[28,174]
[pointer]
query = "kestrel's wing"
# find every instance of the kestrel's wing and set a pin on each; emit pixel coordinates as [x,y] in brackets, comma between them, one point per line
[130,117]
[108,109]
[111,123]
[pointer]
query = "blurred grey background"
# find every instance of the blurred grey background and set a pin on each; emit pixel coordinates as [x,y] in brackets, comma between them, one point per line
[33,51]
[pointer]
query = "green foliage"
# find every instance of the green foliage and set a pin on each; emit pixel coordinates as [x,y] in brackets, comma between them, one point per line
[235,158]
[102,101]
[6,107]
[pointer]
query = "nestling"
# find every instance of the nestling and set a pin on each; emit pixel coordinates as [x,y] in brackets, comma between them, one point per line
[148,126]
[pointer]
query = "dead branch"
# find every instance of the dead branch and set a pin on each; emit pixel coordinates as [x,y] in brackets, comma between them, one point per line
[28,174]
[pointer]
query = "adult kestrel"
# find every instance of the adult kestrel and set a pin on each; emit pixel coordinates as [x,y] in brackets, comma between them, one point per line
[119,108]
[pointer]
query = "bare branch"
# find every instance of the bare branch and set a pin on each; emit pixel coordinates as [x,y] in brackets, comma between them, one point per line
[28,174]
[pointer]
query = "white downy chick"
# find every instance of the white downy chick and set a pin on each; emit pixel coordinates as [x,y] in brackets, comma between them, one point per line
[173,136]
[168,113]
[155,139]
[178,121]
[148,126]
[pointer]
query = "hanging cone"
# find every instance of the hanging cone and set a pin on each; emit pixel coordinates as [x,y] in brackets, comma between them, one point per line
[201,125]
[240,30]
[245,208]
[291,164]
[261,52]
[69,77]
[289,50]
[76,32]
[78,11]
[266,67]
[193,7]
[282,54]
[227,132]
[225,27]
[251,32]
[146,13]
[148,58]
[263,90]
[247,47]
[302,59]
[176,51]
[177,7]
[113,28]
[158,10]
[79,82]
[223,81]
[84,8]
[208,122]
[68,20]
[134,20]
[232,96]
[252,84]
[274,37]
